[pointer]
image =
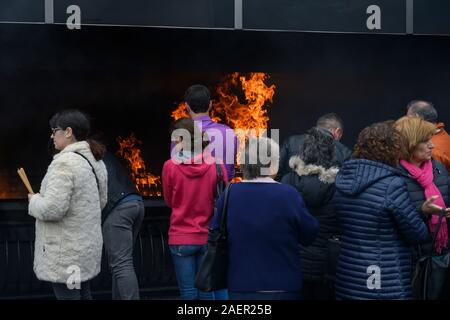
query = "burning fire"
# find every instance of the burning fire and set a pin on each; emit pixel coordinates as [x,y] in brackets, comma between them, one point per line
[146,183]
[10,186]
[247,118]
[180,112]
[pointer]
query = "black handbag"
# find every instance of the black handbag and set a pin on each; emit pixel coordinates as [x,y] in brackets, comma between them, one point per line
[212,274]
[430,270]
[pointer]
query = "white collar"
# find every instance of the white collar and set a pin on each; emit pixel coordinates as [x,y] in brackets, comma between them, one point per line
[261,180]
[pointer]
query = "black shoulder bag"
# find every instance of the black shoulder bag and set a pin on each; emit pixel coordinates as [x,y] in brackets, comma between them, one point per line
[212,274]
[430,270]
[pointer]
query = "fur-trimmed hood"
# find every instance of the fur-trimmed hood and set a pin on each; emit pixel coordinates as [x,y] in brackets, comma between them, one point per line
[325,175]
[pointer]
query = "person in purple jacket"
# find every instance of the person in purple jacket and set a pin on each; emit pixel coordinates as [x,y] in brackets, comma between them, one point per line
[223,140]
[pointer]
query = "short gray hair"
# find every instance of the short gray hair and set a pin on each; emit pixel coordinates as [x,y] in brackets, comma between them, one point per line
[261,158]
[423,109]
[330,121]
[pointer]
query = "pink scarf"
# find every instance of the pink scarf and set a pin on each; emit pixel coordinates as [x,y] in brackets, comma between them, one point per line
[424,176]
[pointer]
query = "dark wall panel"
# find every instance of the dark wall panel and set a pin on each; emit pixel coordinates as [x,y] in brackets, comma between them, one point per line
[432,17]
[22,10]
[323,15]
[130,79]
[178,13]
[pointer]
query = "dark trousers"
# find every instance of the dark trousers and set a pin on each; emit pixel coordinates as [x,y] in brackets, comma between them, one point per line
[62,292]
[120,230]
[445,294]
[317,290]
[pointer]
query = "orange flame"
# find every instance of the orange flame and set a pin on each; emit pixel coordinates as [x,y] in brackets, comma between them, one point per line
[247,118]
[180,112]
[146,183]
[10,186]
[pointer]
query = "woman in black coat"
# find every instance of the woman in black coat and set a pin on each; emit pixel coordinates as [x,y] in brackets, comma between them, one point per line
[313,176]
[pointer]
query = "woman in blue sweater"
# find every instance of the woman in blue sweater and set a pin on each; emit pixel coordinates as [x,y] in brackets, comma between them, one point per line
[266,222]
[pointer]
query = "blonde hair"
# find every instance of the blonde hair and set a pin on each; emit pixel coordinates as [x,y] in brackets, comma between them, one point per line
[414,131]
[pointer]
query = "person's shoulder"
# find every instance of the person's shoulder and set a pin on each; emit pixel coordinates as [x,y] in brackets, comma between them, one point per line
[340,145]
[66,163]
[110,159]
[396,183]
[226,128]
[440,167]
[66,158]
[296,137]
[289,178]
[169,164]
[446,135]
[102,166]
[284,190]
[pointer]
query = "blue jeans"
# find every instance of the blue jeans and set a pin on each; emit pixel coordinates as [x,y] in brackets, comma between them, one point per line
[221,294]
[236,295]
[187,259]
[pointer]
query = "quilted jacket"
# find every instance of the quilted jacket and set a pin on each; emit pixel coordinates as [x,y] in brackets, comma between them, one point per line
[68,217]
[379,224]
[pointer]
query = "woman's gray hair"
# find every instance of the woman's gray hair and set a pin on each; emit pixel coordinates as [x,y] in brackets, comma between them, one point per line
[261,158]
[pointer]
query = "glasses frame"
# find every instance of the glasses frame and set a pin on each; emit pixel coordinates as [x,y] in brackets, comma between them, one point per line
[55,130]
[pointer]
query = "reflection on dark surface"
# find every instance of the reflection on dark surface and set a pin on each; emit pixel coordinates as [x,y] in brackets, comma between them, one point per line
[131,79]
[152,260]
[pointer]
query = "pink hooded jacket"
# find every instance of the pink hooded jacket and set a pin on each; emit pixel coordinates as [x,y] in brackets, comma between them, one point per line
[189,189]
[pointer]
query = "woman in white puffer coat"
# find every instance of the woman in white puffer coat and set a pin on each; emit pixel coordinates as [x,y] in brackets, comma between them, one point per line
[68,246]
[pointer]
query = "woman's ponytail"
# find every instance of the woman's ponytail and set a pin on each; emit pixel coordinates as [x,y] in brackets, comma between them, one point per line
[98,149]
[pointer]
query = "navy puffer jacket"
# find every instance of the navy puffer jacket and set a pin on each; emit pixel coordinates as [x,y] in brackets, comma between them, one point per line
[378,223]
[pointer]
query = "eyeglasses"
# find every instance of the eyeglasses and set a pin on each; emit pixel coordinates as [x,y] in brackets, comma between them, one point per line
[54,130]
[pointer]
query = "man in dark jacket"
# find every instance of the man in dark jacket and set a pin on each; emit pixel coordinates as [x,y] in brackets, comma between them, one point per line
[332,125]
[122,219]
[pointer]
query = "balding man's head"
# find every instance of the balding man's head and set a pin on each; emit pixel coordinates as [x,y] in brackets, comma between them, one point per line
[332,123]
[422,109]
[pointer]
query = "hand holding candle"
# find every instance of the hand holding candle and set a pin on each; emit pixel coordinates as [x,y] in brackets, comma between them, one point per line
[25,181]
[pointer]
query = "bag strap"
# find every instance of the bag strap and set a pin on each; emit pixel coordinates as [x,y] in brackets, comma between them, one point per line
[441,216]
[93,171]
[219,178]
[223,220]
[430,256]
